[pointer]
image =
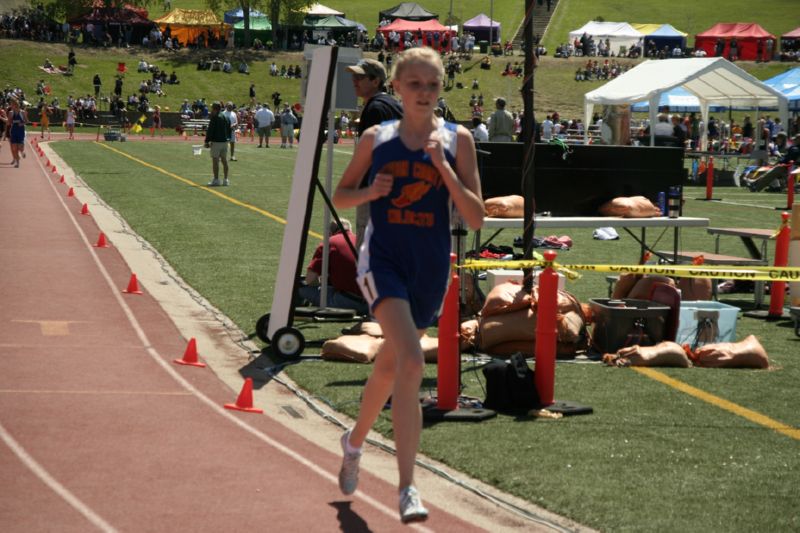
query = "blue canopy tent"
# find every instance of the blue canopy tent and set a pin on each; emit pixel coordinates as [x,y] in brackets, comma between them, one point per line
[235,15]
[668,36]
[480,25]
[788,83]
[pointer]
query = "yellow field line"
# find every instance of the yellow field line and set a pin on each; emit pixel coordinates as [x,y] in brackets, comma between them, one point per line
[722,403]
[207,189]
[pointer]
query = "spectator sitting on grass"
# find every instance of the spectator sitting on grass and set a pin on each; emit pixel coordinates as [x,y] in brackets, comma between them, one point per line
[143,66]
[226,67]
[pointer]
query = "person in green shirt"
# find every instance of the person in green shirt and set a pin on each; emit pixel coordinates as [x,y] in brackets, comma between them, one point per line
[217,136]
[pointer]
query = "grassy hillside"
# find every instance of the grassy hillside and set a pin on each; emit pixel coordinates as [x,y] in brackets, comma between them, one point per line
[690,16]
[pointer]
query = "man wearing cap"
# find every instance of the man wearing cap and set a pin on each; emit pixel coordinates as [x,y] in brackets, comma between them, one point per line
[369,82]
[217,137]
[501,123]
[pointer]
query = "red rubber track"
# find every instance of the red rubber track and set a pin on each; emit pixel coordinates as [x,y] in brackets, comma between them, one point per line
[100,430]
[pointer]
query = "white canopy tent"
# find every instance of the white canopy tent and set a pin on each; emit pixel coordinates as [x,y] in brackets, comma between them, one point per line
[617,33]
[714,80]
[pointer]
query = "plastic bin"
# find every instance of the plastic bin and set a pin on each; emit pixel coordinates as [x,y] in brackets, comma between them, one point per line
[483,46]
[705,322]
[620,323]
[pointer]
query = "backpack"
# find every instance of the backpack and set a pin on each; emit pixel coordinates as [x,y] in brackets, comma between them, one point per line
[510,385]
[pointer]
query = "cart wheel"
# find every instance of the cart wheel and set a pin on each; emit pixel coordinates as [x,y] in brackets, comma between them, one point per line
[288,343]
[262,326]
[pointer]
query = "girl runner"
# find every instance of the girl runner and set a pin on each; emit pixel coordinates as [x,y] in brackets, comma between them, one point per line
[16,131]
[418,166]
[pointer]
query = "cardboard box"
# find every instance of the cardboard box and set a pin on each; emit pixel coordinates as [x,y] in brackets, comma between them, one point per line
[498,276]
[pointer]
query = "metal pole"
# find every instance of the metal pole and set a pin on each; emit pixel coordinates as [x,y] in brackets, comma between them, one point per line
[528,132]
[491,27]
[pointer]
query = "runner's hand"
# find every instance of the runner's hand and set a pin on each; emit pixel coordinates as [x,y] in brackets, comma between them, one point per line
[381,186]
[435,149]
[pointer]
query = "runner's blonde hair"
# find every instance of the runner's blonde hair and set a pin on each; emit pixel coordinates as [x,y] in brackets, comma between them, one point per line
[422,54]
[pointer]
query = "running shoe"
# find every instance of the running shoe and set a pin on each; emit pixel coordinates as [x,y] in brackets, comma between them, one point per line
[225,182]
[348,474]
[234,159]
[411,509]
[214,183]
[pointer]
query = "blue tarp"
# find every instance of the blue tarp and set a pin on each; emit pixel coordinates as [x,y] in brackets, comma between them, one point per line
[667,35]
[235,15]
[678,100]
[788,84]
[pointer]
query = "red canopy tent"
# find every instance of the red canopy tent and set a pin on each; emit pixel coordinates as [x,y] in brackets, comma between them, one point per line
[425,28]
[750,39]
[791,41]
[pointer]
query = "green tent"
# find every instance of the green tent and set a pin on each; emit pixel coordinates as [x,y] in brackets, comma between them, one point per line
[330,23]
[260,28]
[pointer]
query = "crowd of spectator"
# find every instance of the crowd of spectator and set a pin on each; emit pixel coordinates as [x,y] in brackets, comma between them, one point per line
[594,70]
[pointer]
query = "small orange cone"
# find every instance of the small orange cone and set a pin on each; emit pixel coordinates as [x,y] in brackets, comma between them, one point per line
[245,400]
[54,170]
[190,355]
[71,192]
[62,180]
[101,241]
[85,209]
[133,286]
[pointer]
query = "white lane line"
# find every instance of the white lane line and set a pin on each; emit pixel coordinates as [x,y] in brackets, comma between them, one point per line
[189,387]
[51,482]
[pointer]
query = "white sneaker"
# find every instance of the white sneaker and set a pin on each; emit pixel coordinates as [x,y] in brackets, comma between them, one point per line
[225,182]
[411,509]
[348,474]
[214,183]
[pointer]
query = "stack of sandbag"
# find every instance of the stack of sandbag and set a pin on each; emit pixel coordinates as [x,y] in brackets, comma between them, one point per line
[507,323]
[505,206]
[639,287]
[632,207]
[363,341]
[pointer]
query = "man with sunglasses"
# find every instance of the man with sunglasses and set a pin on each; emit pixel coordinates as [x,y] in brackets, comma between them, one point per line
[369,82]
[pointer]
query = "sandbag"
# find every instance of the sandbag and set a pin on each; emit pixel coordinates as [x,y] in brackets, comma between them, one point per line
[748,353]
[373,329]
[512,206]
[644,287]
[624,285]
[505,298]
[667,354]
[630,207]
[351,348]
[430,348]
[517,326]
[695,289]
[467,333]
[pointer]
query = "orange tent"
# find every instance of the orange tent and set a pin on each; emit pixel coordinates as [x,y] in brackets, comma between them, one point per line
[189,24]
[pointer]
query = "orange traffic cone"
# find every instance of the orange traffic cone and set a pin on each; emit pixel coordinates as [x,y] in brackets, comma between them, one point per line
[245,400]
[54,170]
[62,180]
[190,355]
[71,192]
[85,209]
[101,241]
[133,286]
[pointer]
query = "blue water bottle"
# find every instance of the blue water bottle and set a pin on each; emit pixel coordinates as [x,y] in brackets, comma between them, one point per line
[662,203]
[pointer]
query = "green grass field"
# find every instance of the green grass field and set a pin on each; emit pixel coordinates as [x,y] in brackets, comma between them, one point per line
[651,458]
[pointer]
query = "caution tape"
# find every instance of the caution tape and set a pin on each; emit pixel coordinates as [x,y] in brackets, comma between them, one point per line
[753,273]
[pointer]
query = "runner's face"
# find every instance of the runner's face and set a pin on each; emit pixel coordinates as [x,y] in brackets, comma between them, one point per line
[419,86]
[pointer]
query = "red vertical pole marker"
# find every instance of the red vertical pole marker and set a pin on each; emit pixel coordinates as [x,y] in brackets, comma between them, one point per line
[546,334]
[778,288]
[710,178]
[447,377]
